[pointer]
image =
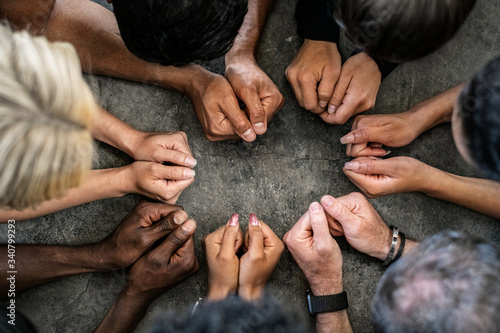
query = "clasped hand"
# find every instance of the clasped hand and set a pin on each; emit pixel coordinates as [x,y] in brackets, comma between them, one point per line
[247,275]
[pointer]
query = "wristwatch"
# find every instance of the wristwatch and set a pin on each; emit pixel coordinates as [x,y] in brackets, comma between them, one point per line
[326,303]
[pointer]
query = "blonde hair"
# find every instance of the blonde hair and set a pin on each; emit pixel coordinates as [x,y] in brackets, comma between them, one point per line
[46,113]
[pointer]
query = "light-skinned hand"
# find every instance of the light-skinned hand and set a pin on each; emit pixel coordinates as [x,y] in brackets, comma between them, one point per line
[316,252]
[356,89]
[377,177]
[262,253]
[163,147]
[159,182]
[220,249]
[369,133]
[313,73]
[363,227]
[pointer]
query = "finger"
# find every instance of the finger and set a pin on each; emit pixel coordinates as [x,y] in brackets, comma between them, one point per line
[369,166]
[255,111]
[176,157]
[296,89]
[178,237]
[339,92]
[364,150]
[308,87]
[344,111]
[326,87]
[365,135]
[319,224]
[228,245]
[338,211]
[169,223]
[152,212]
[173,172]
[255,236]
[359,180]
[238,119]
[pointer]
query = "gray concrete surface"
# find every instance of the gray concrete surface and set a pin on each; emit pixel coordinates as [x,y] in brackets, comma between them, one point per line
[297,161]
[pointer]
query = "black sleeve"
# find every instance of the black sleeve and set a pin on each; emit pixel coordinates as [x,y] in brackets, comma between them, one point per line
[385,67]
[315,20]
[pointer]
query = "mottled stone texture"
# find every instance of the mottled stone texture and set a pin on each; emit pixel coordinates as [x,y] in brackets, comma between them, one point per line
[297,161]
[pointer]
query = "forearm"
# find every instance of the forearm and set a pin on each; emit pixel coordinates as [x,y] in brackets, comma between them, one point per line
[35,265]
[94,32]
[114,132]
[481,195]
[245,44]
[125,314]
[434,111]
[101,184]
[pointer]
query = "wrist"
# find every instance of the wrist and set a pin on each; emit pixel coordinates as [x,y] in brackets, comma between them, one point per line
[251,293]
[234,58]
[123,180]
[329,286]
[219,293]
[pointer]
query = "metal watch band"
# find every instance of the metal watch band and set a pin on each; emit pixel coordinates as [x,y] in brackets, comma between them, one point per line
[326,303]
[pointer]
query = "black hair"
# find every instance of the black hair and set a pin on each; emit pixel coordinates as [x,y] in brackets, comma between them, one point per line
[177,32]
[401,30]
[449,283]
[231,315]
[479,112]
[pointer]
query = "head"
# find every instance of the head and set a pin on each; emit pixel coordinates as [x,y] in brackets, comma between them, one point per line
[46,111]
[476,120]
[177,32]
[449,283]
[401,30]
[231,315]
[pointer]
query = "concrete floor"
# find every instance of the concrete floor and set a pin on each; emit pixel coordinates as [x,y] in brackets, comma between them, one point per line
[297,161]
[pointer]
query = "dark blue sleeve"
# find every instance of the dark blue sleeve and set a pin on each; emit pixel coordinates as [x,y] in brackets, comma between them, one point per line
[315,20]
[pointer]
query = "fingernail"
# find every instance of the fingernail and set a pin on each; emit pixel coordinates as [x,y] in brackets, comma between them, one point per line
[327,201]
[189,226]
[188,173]
[387,153]
[233,221]
[322,104]
[352,165]
[190,161]
[349,138]
[331,109]
[315,207]
[260,124]
[249,135]
[176,220]
[254,220]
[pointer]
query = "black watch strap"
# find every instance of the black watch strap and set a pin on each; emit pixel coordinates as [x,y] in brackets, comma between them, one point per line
[326,303]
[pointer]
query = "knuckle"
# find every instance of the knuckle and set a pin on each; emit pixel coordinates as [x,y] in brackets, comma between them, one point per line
[240,125]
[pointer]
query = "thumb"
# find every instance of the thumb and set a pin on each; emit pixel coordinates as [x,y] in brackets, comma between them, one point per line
[319,224]
[364,135]
[339,211]
[370,166]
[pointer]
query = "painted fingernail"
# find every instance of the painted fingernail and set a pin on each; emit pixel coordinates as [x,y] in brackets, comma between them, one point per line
[327,201]
[322,104]
[349,138]
[253,220]
[190,161]
[387,153]
[331,109]
[188,173]
[352,165]
[315,207]
[233,221]
[189,226]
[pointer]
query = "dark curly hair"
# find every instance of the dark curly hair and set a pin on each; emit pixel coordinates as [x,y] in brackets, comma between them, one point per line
[232,315]
[478,111]
[401,30]
[177,32]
